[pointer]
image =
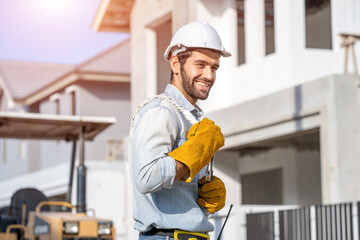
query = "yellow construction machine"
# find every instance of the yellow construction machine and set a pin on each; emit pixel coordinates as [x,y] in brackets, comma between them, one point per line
[29,215]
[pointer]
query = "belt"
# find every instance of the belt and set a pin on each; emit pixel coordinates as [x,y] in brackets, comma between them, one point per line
[177,234]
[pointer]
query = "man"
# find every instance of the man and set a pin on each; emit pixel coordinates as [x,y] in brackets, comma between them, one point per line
[168,153]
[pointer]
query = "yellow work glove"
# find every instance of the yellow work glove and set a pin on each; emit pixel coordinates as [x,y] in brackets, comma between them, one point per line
[204,139]
[212,195]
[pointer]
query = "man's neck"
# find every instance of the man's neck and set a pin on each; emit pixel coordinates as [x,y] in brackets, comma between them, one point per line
[184,93]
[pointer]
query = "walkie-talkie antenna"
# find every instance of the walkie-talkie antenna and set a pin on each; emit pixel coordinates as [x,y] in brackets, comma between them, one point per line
[222,228]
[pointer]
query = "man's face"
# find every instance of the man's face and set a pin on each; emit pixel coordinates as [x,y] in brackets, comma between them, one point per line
[199,73]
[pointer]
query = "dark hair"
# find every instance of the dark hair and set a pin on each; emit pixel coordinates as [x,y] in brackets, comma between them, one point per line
[182,56]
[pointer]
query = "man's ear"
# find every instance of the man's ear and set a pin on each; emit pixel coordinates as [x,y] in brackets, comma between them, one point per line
[175,65]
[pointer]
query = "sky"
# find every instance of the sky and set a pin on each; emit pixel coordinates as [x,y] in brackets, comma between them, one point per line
[56,31]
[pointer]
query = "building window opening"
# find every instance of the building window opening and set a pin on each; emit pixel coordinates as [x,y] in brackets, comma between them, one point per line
[318,24]
[240,8]
[269,27]
[71,91]
[56,99]
[73,103]
[1,97]
[262,187]
[163,37]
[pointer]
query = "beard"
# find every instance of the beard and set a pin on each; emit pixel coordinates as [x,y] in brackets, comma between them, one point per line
[190,88]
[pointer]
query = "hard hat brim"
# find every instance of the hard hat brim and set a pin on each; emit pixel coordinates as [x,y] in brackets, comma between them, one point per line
[223,53]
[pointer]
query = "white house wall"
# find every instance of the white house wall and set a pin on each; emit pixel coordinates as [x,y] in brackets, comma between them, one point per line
[52,153]
[12,163]
[92,99]
[105,99]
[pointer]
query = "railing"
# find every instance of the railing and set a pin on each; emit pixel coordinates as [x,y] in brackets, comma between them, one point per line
[295,224]
[320,222]
[237,227]
[334,222]
[260,226]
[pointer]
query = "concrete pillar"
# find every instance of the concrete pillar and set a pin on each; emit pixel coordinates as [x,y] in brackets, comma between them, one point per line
[340,138]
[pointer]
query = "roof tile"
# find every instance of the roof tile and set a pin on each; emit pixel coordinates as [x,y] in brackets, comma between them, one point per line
[115,60]
[25,78]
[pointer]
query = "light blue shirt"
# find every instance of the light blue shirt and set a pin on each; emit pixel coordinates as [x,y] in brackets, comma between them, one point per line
[159,128]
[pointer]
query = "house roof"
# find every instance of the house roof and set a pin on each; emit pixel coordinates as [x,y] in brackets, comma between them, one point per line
[24,78]
[28,82]
[114,60]
[113,16]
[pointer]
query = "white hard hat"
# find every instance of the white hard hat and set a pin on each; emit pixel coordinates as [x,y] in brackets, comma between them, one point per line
[195,35]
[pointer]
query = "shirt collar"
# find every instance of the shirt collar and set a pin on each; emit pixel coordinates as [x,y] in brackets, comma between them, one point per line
[172,91]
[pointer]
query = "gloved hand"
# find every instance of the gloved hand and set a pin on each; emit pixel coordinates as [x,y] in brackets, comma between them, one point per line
[212,195]
[204,139]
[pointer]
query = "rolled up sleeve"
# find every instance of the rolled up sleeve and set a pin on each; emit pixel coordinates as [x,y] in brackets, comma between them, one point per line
[155,133]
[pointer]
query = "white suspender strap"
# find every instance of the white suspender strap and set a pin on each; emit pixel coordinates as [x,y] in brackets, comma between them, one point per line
[185,112]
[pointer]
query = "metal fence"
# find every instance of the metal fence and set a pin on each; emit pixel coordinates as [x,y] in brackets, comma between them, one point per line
[295,224]
[334,222]
[320,222]
[260,226]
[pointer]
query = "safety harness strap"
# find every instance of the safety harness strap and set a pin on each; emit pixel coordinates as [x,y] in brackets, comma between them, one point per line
[185,112]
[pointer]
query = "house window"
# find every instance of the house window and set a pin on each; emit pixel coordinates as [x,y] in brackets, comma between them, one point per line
[241,30]
[72,93]
[318,24]
[73,105]
[57,106]
[56,99]
[269,27]
[1,97]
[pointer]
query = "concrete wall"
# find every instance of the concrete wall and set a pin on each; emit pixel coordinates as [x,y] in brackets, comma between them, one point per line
[329,104]
[301,180]
[301,173]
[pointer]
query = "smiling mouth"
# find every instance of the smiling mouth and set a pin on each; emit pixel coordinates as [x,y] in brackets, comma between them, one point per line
[203,84]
